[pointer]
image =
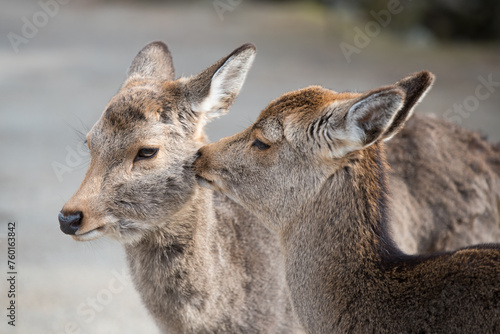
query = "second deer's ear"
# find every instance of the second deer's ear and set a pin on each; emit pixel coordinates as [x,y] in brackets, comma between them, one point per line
[154,61]
[345,126]
[353,125]
[372,114]
[415,86]
[214,90]
[381,113]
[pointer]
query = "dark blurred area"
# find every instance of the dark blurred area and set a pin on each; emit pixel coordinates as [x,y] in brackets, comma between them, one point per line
[443,19]
[453,20]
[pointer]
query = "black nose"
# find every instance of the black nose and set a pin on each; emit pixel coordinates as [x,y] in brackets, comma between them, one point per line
[69,224]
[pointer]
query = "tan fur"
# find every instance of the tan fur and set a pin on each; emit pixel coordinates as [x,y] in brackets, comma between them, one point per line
[201,263]
[320,182]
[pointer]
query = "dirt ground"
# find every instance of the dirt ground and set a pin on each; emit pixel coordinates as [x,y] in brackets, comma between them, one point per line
[62,76]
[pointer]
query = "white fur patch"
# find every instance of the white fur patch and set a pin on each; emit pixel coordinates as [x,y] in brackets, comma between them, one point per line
[227,81]
[91,235]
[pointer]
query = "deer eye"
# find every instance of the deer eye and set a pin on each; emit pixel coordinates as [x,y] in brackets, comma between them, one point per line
[260,145]
[146,153]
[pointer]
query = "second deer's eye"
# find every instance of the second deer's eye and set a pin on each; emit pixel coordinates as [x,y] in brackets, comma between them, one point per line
[260,145]
[146,153]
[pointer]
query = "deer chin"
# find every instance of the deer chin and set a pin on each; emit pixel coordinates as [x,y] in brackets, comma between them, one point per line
[90,235]
[206,183]
[95,227]
[216,185]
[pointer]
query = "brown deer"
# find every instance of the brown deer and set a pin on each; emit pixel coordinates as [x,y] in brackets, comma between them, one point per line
[201,263]
[312,168]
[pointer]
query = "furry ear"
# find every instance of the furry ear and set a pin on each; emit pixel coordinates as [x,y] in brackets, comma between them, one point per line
[153,61]
[371,115]
[415,87]
[347,126]
[351,124]
[214,90]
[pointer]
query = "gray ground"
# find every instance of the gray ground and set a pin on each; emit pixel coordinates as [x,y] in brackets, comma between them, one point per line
[63,77]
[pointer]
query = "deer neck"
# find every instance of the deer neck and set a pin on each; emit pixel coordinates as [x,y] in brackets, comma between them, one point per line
[170,267]
[180,232]
[339,239]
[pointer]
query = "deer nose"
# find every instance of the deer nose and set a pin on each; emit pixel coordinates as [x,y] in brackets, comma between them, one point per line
[197,155]
[70,223]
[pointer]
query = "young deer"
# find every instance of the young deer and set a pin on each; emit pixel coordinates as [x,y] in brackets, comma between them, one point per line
[201,263]
[312,168]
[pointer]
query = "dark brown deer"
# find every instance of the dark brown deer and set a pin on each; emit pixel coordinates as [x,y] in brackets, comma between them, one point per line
[312,168]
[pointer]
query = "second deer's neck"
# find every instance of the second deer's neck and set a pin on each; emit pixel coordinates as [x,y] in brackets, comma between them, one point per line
[338,240]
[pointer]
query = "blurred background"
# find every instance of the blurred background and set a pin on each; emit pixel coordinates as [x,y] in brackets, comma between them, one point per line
[61,61]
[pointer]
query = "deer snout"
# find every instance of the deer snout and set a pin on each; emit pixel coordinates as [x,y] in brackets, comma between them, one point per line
[200,168]
[198,154]
[70,222]
[206,169]
[83,216]
[198,160]
[201,161]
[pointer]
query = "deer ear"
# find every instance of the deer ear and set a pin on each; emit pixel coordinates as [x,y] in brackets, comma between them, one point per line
[153,61]
[371,115]
[415,86]
[214,90]
[351,125]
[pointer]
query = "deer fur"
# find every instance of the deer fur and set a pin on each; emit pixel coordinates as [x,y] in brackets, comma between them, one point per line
[312,168]
[445,186]
[201,263]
